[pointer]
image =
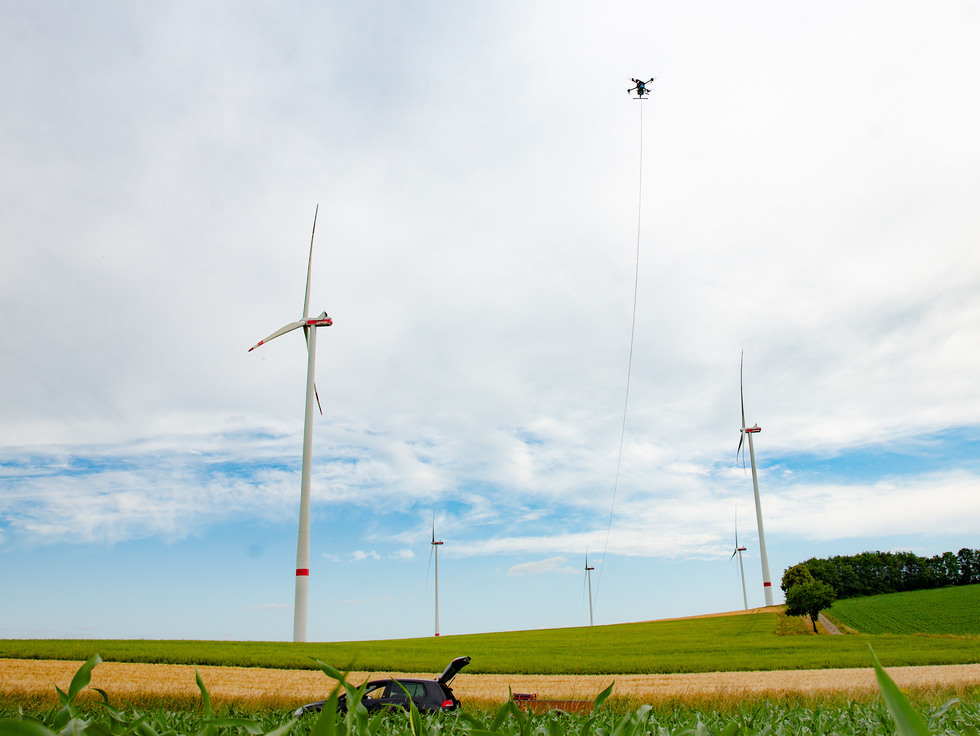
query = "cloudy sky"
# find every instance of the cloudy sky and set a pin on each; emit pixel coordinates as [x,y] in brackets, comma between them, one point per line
[809,196]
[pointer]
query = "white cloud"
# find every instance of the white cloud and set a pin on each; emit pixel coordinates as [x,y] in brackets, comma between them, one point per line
[540,567]
[937,503]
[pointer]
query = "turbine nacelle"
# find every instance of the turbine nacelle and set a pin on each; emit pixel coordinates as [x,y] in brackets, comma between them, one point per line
[322,321]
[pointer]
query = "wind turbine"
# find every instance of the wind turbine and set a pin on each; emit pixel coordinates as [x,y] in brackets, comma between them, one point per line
[748,432]
[435,550]
[588,581]
[309,326]
[738,551]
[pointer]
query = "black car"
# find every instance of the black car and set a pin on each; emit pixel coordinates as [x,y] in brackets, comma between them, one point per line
[429,696]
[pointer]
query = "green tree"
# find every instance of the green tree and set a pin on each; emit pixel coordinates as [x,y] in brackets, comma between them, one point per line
[945,569]
[809,599]
[795,575]
[969,564]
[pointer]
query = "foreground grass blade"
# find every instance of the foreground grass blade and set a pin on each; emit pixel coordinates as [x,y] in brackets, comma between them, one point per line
[283,729]
[69,711]
[502,712]
[414,719]
[326,723]
[601,697]
[205,696]
[246,724]
[330,671]
[907,721]
[24,728]
[82,678]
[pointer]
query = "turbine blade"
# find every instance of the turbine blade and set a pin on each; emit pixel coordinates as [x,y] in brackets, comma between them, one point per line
[741,393]
[281,331]
[733,555]
[309,267]
[306,337]
[429,568]
[741,399]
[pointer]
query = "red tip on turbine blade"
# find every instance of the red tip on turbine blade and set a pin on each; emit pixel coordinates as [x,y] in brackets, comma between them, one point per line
[767,584]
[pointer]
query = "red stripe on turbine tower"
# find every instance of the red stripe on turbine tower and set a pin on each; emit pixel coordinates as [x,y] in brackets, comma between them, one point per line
[302,571]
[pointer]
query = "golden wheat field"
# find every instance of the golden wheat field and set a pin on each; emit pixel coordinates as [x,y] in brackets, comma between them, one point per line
[125,682]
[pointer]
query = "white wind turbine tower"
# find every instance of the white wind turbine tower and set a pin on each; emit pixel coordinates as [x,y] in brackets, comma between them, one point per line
[434,549]
[748,432]
[309,326]
[738,551]
[588,582]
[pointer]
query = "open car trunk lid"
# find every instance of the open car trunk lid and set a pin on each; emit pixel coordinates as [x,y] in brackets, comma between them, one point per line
[453,669]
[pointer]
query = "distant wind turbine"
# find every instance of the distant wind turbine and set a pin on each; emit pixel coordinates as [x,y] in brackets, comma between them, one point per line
[748,432]
[588,582]
[434,550]
[738,551]
[309,326]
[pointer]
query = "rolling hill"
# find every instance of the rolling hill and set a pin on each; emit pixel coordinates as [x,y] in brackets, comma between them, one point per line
[947,611]
[705,644]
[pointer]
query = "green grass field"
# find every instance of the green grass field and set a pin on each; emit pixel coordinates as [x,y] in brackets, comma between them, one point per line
[940,611]
[732,643]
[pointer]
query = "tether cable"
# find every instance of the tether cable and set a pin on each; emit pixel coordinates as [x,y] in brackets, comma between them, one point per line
[629,367]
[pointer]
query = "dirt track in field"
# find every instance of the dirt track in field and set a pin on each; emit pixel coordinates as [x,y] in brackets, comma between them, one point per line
[124,681]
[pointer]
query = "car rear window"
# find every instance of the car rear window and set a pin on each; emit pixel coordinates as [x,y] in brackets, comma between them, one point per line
[415,690]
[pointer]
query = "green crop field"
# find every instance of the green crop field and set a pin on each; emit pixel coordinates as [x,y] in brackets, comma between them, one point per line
[752,719]
[894,712]
[731,643]
[939,611]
